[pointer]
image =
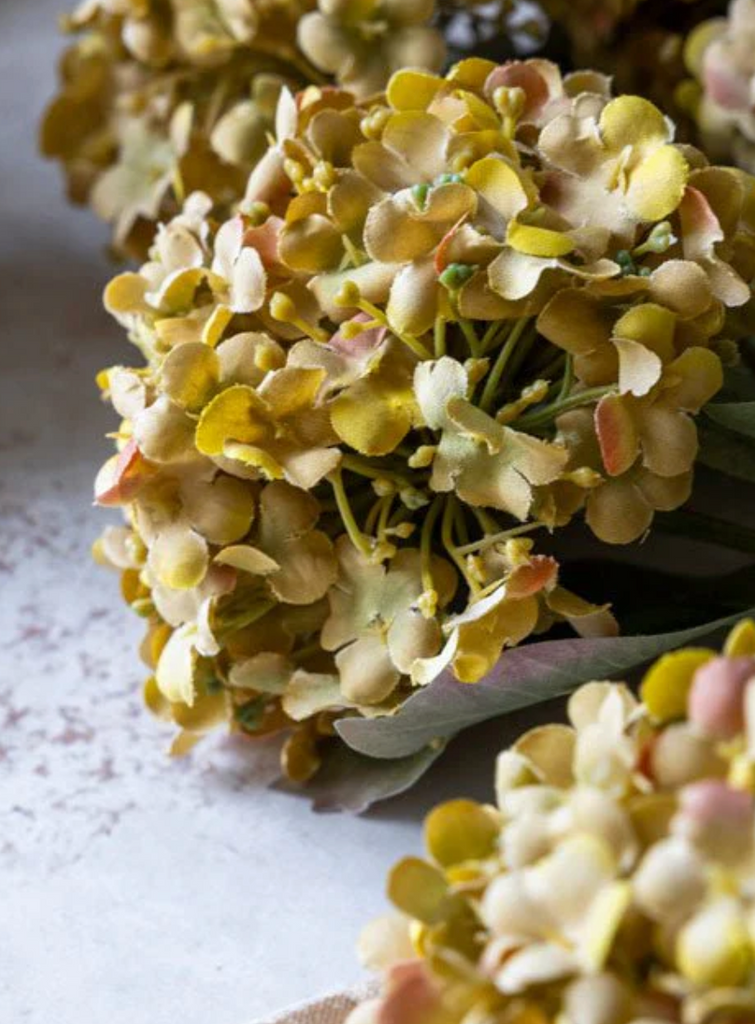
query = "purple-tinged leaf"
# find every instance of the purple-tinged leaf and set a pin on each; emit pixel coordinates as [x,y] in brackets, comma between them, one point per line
[523,676]
[349,781]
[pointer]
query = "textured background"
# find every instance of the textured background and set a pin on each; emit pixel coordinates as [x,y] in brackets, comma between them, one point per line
[133,889]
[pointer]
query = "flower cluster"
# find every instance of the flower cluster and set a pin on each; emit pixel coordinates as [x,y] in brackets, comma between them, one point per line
[443,319]
[591,24]
[612,883]
[160,98]
[640,43]
[720,53]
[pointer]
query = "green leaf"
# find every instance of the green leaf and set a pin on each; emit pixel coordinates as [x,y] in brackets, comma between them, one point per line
[739,381]
[727,452]
[524,676]
[349,781]
[736,416]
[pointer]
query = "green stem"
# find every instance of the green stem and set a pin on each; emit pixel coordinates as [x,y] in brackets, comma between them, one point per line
[372,518]
[553,366]
[246,618]
[385,513]
[461,524]
[486,521]
[494,377]
[497,538]
[699,526]
[446,532]
[408,339]
[440,337]
[425,544]
[568,380]
[356,257]
[304,653]
[293,57]
[488,338]
[523,350]
[542,417]
[470,334]
[357,538]
[356,465]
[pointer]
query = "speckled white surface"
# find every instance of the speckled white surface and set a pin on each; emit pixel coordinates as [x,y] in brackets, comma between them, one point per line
[133,889]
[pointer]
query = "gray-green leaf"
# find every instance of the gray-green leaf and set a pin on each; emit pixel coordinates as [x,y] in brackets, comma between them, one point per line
[349,781]
[523,676]
[736,416]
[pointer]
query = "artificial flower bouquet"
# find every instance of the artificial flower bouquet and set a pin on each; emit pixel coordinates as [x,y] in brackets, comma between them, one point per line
[397,329]
[611,882]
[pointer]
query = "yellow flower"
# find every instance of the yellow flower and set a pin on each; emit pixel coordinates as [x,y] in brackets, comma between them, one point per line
[598,888]
[405,355]
[358,41]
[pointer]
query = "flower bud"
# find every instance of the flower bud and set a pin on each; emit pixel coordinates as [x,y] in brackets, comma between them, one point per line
[717,819]
[510,101]
[283,309]
[423,457]
[716,699]
[713,949]
[456,275]
[348,295]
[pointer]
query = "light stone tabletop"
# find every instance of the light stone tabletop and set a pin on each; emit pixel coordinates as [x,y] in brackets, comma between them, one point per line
[133,890]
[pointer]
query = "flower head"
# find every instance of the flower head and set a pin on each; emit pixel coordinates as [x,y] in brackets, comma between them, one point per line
[358,41]
[158,99]
[602,887]
[444,320]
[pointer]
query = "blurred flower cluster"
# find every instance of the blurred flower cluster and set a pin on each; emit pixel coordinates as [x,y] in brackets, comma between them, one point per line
[444,320]
[640,43]
[159,98]
[612,883]
[720,53]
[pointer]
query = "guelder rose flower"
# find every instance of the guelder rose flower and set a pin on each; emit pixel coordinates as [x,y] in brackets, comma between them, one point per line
[720,54]
[162,97]
[361,42]
[443,320]
[596,890]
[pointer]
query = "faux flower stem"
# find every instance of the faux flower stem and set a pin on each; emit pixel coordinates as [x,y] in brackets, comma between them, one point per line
[470,334]
[542,417]
[409,340]
[425,544]
[305,653]
[485,519]
[523,350]
[439,337]
[497,538]
[494,377]
[568,381]
[356,257]
[374,513]
[248,617]
[291,56]
[492,335]
[356,465]
[384,518]
[357,538]
[449,513]
[553,367]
